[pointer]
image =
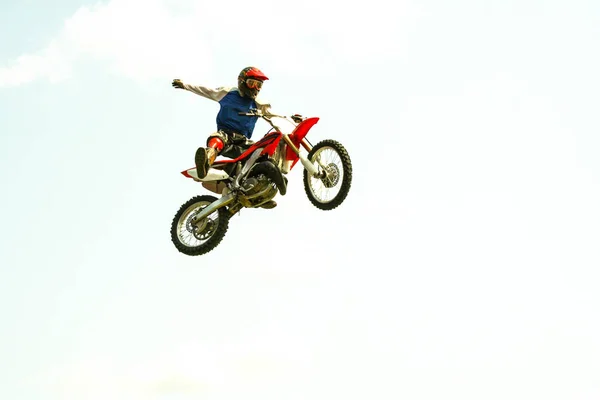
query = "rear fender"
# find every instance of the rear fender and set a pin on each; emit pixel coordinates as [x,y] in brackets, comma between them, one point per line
[212,175]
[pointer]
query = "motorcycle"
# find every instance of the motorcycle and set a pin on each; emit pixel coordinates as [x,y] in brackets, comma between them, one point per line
[256,176]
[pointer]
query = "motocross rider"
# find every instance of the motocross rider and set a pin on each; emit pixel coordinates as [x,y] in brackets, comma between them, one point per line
[233,130]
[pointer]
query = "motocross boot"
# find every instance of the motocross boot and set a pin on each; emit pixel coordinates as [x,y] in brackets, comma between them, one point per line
[205,157]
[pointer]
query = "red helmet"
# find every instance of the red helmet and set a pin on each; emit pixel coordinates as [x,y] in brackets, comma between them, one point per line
[250,81]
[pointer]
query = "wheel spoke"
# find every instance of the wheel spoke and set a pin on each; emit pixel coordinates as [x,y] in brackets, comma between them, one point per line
[335,171]
[198,238]
[327,188]
[187,232]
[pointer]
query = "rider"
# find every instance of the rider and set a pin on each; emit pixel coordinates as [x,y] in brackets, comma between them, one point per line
[233,130]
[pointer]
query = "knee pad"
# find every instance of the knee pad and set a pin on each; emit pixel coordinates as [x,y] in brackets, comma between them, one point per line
[216,143]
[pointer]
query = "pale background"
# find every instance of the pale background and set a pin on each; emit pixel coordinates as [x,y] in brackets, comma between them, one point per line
[463,265]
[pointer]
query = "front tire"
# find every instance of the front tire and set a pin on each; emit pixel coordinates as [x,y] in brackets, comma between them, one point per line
[329,192]
[194,239]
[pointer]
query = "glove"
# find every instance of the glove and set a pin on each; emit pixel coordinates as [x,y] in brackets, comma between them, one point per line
[177,84]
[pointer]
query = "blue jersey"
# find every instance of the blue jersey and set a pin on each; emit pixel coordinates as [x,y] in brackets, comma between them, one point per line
[231,103]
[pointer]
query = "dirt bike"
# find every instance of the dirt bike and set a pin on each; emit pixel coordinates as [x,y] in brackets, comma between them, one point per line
[256,176]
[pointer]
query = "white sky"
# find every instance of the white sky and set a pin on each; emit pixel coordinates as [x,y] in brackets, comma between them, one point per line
[463,265]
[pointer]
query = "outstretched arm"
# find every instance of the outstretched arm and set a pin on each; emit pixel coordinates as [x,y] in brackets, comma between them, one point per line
[263,106]
[210,93]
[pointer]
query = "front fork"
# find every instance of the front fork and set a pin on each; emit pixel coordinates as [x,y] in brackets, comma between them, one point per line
[312,170]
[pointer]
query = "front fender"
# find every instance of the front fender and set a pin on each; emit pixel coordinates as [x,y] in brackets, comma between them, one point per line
[298,134]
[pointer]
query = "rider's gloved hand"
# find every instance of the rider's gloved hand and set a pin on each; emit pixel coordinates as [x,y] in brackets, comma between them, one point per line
[177,84]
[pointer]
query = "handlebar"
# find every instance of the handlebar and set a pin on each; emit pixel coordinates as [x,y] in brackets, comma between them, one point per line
[256,113]
[297,118]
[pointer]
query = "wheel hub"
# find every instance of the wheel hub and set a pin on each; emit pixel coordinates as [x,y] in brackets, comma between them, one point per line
[200,229]
[332,176]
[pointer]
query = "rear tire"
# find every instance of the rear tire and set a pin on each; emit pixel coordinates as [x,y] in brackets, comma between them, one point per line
[336,185]
[203,236]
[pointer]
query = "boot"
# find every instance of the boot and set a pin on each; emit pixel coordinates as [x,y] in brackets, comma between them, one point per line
[205,156]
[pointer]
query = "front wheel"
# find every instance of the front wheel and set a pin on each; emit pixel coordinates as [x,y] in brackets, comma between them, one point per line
[332,160]
[195,238]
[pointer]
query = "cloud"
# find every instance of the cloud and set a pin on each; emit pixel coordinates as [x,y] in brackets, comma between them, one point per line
[136,39]
[148,39]
[48,63]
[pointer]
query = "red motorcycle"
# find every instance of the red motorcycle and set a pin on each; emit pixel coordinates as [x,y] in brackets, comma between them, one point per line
[256,176]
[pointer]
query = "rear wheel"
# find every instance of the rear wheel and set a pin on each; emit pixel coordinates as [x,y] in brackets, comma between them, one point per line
[195,238]
[332,160]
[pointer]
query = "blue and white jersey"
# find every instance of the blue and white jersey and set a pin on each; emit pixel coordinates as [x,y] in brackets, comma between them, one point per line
[232,103]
